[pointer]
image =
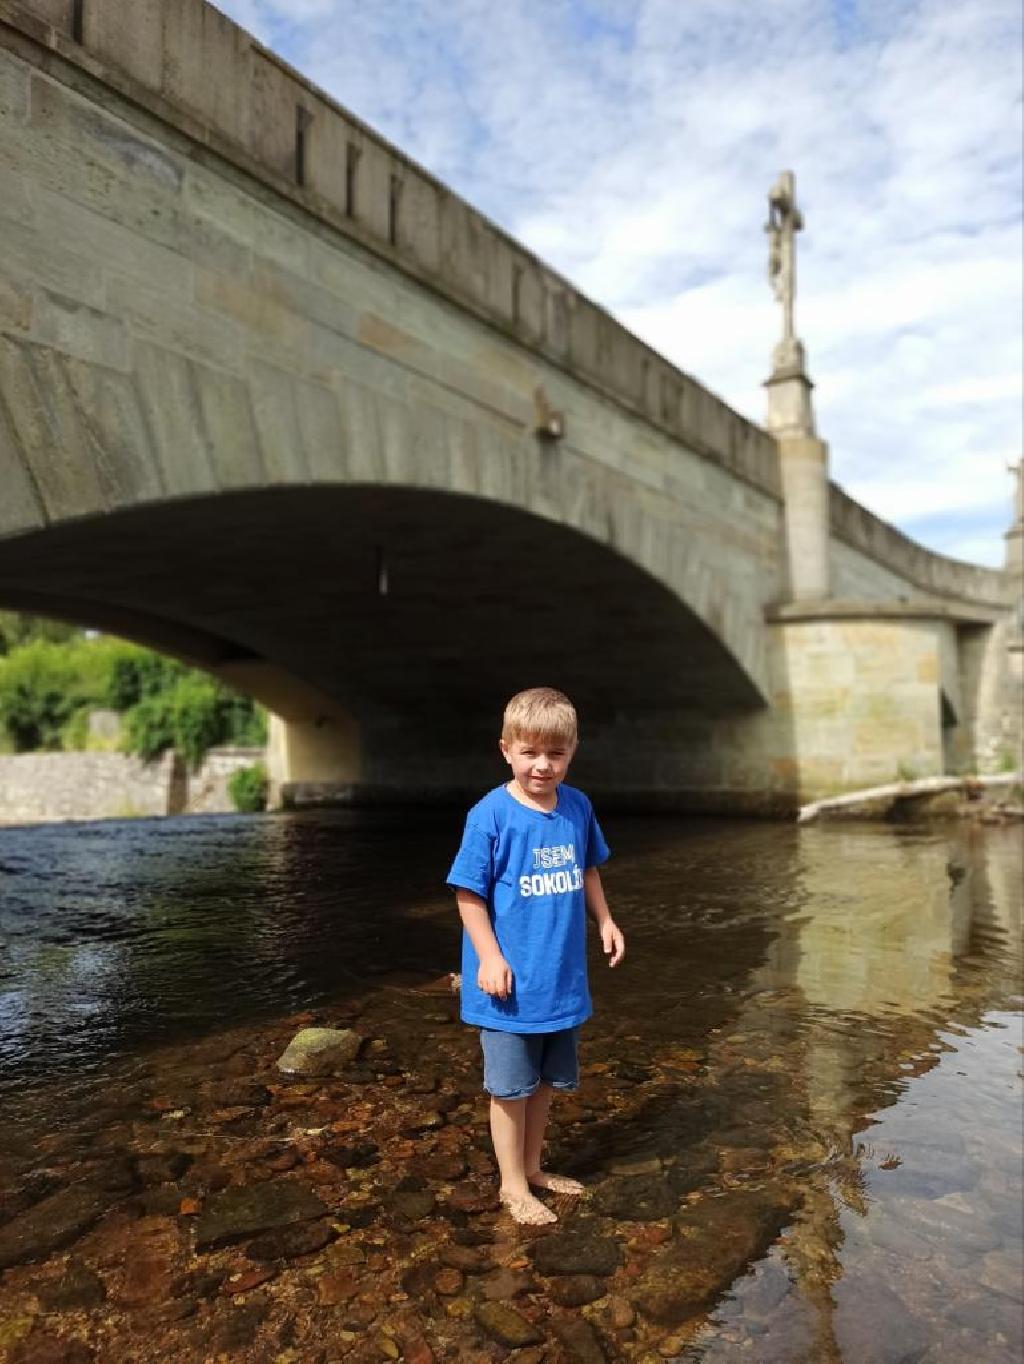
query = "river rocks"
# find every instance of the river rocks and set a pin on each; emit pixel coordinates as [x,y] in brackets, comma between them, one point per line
[467,1259]
[580,1251]
[286,1243]
[51,1223]
[43,1348]
[507,1326]
[78,1287]
[574,1290]
[234,1333]
[161,1167]
[351,1156]
[691,1171]
[472,1198]
[503,1283]
[641,1198]
[716,1243]
[446,1167]
[413,1204]
[244,1211]
[319,1051]
[580,1340]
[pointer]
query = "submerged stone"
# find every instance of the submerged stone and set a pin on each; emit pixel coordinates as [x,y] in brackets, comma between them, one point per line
[245,1211]
[505,1325]
[574,1290]
[415,1204]
[717,1243]
[319,1051]
[640,1198]
[304,1238]
[580,1340]
[77,1287]
[582,1251]
[51,1223]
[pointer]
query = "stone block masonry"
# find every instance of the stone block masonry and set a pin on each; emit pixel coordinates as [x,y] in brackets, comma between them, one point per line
[40,787]
[47,787]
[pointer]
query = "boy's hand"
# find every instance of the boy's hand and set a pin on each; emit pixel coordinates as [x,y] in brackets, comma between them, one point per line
[495,976]
[613,942]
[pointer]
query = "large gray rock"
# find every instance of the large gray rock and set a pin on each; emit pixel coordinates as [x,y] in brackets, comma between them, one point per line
[319,1051]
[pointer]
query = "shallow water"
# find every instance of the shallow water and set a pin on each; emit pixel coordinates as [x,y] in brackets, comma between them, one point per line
[822,1019]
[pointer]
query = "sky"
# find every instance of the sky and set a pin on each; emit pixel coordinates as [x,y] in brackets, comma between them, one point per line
[631,144]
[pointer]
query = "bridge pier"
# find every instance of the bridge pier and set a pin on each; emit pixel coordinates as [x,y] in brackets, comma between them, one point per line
[321,753]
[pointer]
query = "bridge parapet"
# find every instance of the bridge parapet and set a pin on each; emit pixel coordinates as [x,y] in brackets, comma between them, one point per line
[932,573]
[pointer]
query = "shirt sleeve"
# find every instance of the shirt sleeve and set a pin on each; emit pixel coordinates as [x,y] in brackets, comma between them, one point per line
[597,848]
[473,868]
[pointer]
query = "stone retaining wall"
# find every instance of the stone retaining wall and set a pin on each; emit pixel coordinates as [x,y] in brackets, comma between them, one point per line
[38,787]
[208,788]
[42,787]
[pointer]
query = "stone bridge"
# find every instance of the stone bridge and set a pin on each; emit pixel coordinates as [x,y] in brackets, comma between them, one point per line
[276,401]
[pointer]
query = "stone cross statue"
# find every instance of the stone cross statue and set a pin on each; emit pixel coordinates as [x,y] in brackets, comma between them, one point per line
[784,221]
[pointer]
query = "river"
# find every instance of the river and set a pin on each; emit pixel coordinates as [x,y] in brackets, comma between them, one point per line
[799,1123]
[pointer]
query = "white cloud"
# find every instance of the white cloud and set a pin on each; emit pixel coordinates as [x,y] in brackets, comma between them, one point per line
[631,143]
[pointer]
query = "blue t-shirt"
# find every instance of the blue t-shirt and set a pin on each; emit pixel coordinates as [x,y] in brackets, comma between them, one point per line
[528,865]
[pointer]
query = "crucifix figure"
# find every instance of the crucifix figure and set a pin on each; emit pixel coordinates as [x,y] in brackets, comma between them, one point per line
[784,221]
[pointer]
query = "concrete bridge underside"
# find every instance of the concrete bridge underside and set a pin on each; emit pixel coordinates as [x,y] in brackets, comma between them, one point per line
[392,623]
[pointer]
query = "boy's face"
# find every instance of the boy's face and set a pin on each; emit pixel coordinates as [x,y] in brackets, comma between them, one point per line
[538,763]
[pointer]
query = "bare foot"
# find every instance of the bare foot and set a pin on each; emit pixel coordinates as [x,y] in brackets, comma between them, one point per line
[528,1210]
[540,1179]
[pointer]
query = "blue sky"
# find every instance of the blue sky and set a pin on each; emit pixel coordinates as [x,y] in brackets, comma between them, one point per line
[631,143]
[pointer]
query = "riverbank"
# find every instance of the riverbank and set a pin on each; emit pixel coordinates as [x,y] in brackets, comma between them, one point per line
[989,799]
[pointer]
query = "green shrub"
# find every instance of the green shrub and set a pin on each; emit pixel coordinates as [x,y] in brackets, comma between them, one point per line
[40,689]
[248,789]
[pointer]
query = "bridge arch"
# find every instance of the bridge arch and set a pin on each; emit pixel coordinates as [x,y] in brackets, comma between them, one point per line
[390,622]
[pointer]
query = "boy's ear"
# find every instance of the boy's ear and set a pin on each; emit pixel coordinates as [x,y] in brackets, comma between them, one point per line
[504,749]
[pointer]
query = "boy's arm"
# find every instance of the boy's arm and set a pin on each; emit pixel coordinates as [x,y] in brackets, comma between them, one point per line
[495,974]
[612,940]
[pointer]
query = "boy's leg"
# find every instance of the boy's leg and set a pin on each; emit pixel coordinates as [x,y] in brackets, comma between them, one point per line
[560,1068]
[508,1133]
[510,1076]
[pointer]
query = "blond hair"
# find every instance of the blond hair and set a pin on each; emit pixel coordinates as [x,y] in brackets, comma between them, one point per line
[539,713]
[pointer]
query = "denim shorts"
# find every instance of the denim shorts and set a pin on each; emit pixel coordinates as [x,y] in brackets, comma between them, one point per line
[516,1063]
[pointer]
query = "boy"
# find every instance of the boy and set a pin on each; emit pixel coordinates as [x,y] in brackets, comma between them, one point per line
[524,877]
